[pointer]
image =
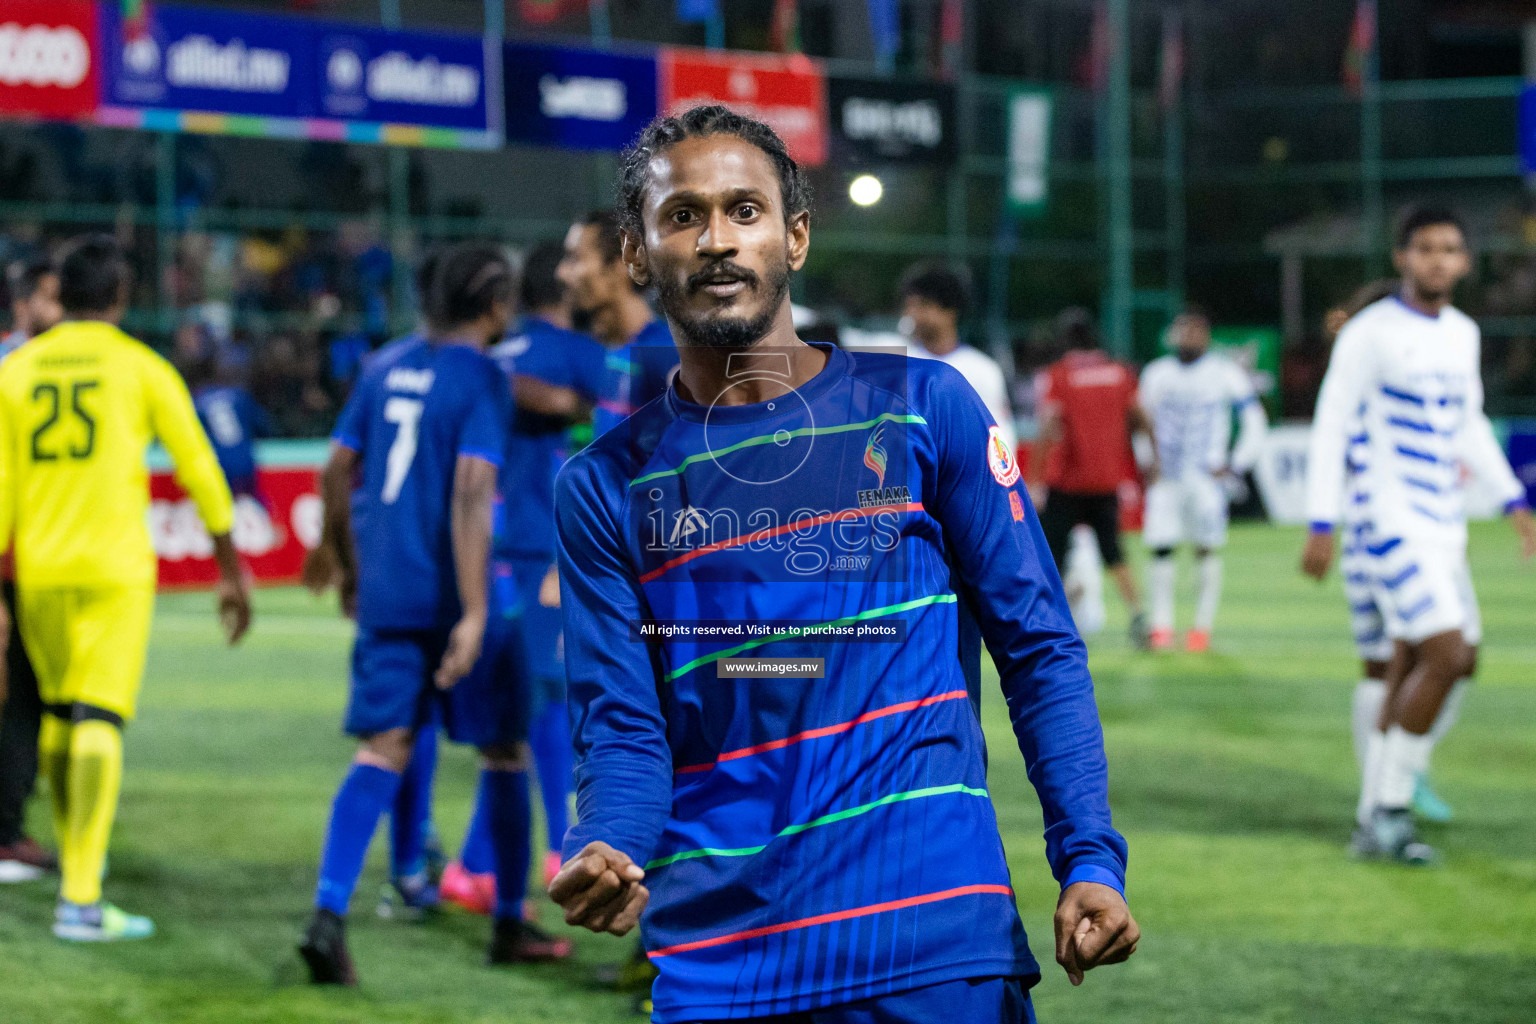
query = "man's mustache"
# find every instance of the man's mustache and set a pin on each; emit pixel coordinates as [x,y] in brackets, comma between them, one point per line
[722,269]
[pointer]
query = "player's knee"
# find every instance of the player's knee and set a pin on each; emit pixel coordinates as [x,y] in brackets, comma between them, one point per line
[507,757]
[390,749]
[1470,668]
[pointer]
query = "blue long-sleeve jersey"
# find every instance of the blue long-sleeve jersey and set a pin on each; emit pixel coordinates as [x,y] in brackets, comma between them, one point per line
[233,422]
[811,841]
[635,374]
[536,447]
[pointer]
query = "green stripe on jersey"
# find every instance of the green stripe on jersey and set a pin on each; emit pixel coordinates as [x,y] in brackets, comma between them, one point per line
[776,438]
[873,613]
[825,819]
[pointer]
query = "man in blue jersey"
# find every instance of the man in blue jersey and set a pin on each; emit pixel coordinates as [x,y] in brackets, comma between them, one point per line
[557,376]
[775,582]
[641,355]
[423,438]
[233,422]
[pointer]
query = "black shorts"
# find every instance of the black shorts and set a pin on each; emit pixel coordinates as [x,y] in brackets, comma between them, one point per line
[1064,511]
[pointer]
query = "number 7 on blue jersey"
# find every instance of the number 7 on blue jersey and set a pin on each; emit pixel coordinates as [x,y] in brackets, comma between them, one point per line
[405,413]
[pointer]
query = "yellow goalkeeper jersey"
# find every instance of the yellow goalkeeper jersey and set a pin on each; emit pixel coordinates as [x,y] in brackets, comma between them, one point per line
[79,405]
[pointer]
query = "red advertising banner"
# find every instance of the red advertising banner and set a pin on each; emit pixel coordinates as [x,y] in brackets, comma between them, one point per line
[271,534]
[48,57]
[789,93]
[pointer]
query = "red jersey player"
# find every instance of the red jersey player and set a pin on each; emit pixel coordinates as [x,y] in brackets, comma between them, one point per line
[1088,411]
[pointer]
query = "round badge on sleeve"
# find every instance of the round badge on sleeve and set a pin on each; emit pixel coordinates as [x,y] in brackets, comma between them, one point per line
[1000,458]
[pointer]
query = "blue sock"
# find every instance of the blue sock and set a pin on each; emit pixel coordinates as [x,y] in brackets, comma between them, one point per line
[367,792]
[411,816]
[507,808]
[551,742]
[478,856]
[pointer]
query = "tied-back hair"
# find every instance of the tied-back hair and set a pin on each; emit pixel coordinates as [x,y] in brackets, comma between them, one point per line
[468,280]
[666,132]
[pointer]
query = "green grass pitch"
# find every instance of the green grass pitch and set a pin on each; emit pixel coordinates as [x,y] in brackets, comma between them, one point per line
[1231,775]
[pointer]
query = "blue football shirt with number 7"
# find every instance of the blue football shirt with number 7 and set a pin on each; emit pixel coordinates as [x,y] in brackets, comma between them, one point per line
[418,406]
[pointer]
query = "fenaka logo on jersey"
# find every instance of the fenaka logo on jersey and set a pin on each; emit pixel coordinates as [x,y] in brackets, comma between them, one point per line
[874,454]
[876,459]
[1000,458]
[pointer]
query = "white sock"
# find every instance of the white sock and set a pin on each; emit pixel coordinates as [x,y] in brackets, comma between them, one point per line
[1404,758]
[1369,695]
[1449,711]
[1160,576]
[1370,775]
[1210,592]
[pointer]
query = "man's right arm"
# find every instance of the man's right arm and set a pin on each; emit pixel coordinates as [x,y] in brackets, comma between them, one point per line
[333,560]
[175,423]
[1337,401]
[623,762]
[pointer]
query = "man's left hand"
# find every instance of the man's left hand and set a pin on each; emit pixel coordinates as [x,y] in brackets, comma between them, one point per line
[1093,927]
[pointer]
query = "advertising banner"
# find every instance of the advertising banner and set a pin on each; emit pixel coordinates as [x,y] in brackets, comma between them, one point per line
[406,78]
[48,58]
[272,535]
[881,120]
[188,69]
[189,58]
[789,93]
[576,99]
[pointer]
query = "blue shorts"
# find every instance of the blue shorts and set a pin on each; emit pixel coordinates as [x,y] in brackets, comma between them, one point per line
[543,629]
[392,685]
[968,1001]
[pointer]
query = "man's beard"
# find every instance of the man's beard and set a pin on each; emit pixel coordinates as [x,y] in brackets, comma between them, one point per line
[721,330]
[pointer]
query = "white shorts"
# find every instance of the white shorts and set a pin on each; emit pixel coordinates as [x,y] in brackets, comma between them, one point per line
[1365,618]
[1423,589]
[1190,509]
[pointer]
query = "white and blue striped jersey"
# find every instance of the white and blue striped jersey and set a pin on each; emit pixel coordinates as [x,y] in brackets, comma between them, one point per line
[1191,406]
[1401,412]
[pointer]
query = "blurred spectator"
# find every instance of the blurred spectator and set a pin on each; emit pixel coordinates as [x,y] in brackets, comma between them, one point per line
[934,299]
[286,379]
[33,287]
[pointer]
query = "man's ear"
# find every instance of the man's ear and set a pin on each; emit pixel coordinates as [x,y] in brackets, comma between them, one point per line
[799,239]
[637,260]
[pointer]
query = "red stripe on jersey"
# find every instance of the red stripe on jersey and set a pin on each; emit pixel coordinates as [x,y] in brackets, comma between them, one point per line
[841,915]
[800,524]
[826,730]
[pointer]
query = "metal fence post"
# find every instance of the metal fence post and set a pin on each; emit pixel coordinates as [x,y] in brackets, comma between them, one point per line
[1117,110]
[1374,199]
